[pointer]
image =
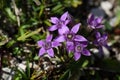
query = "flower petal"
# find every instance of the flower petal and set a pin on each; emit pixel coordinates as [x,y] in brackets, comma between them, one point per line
[54,20]
[90,18]
[70,46]
[105,36]
[98,20]
[63,30]
[53,28]
[77,56]
[66,22]
[40,43]
[86,52]
[50,52]
[80,38]
[64,16]
[98,35]
[99,26]
[42,51]
[55,44]
[60,39]
[49,37]
[76,28]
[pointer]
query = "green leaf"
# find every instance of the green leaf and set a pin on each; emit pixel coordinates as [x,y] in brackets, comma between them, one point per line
[28,34]
[10,14]
[85,63]
[23,74]
[28,69]
[36,57]
[65,76]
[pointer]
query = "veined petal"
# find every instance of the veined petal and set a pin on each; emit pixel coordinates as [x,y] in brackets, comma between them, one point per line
[64,16]
[77,56]
[70,46]
[49,37]
[76,28]
[86,52]
[42,51]
[54,20]
[40,43]
[55,44]
[63,30]
[66,22]
[60,39]
[53,28]
[50,52]
[80,38]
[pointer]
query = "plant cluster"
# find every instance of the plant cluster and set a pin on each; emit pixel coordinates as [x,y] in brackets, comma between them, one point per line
[68,37]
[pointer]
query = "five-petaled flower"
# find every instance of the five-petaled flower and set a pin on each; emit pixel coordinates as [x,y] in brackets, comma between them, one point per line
[70,36]
[60,24]
[47,45]
[94,23]
[80,48]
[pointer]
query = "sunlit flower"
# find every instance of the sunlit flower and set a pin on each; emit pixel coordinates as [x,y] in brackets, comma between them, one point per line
[47,46]
[70,35]
[60,24]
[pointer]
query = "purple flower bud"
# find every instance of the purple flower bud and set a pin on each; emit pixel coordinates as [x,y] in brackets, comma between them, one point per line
[94,23]
[101,40]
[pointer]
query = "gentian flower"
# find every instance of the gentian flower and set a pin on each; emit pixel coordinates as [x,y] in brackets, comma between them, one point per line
[60,24]
[70,36]
[101,40]
[47,46]
[94,23]
[80,48]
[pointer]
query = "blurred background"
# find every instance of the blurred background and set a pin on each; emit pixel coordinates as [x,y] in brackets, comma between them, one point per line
[24,22]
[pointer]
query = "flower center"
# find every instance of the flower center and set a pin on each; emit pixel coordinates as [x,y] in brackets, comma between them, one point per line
[78,48]
[47,45]
[60,24]
[70,37]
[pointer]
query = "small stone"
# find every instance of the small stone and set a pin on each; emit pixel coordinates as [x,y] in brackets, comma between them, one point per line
[7,73]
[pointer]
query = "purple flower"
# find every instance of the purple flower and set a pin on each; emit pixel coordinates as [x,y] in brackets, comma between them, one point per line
[60,24]
[47,45]
[101,40]
[70,35]
[94,23]
[80,48]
